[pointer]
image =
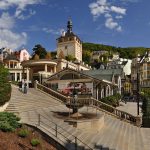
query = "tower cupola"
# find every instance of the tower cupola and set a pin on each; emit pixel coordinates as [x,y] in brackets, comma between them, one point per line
[69,26]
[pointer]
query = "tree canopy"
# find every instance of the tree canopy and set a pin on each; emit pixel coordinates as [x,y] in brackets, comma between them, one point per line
[70,58]
[128,52]
[40,51]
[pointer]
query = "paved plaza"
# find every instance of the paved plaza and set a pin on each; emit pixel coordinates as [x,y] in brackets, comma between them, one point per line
[115,135]
[130,107]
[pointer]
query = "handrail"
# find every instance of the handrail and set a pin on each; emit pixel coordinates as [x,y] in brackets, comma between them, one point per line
[52,92]
[56,130]
[96,103]
[112,110]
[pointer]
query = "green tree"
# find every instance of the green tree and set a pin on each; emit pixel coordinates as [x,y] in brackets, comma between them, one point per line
[86,56]
[39,50]
[5,87]
[70,58]
[53,54]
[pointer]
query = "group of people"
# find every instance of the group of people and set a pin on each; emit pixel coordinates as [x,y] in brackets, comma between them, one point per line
[23,86]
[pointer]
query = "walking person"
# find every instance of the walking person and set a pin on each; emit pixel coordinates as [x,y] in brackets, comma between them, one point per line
[25,87]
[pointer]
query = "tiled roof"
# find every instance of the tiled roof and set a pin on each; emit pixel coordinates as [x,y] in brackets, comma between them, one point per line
[105,74]
[11,57]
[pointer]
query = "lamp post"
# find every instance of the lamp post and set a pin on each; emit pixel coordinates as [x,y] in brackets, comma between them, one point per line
[75,107]
[137,88]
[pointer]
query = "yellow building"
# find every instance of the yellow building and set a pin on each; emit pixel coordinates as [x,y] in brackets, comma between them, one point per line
[145,73]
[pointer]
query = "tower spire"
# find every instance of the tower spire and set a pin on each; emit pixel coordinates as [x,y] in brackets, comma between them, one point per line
[69,26]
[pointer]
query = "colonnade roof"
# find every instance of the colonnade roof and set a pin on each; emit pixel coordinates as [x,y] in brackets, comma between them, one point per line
[29,63]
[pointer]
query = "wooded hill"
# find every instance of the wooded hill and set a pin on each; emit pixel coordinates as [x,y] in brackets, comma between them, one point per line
[128,52]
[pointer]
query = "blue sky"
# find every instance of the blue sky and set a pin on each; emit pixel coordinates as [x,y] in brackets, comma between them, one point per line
[24,23]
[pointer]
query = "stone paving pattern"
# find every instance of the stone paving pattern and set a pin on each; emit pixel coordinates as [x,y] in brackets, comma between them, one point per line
[115,135]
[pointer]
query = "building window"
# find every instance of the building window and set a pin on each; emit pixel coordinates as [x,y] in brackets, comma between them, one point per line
[144,74]
[145,67]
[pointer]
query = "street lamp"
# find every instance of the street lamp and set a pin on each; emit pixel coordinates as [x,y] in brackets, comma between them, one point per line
[137,88]
[75,97]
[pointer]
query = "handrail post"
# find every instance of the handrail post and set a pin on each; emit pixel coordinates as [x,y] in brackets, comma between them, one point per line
[39,119]
[76,143]
[56,129]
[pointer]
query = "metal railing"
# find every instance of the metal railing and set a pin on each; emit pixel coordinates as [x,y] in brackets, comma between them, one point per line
[94,103]
[61,134]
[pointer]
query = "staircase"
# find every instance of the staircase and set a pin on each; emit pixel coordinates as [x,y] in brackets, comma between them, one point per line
[115,135]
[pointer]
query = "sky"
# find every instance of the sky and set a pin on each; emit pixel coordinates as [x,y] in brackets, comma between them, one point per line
[121,23]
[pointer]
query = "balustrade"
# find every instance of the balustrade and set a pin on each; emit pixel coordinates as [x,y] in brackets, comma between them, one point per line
[93,102]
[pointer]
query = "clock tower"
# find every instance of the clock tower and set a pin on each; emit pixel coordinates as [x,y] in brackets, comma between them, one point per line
[69,43]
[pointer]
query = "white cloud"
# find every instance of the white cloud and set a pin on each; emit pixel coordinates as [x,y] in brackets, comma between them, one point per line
[19,14]
[20,4]
[104,8]
[107,15]
[110,23]
[8,37]
[52,31]
[118,10]
[11,39]
[98,8]
[131,1]
[119,17]
[6,21]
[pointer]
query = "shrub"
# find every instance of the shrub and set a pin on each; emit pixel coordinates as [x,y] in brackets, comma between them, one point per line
[8,121]
[5,87]
[112,100]
[5,126]
[146,109]
[35,142]
[23,133]
[14,82]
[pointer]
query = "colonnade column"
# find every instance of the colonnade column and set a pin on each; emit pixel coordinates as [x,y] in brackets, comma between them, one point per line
[55,69]
[27,74]
[45,67]
[97,91]
[20,76]
[45,70]
[15,76]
